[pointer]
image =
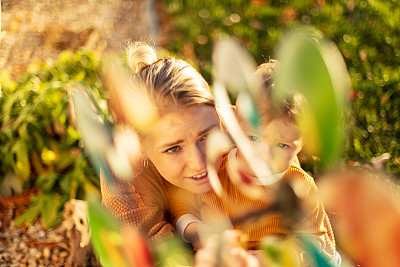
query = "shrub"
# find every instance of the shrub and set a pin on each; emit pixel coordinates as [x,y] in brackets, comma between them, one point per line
[40,146]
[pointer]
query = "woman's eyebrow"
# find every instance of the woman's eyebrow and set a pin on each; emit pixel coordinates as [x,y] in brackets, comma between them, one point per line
[171,144]
[208,129]
[177,142]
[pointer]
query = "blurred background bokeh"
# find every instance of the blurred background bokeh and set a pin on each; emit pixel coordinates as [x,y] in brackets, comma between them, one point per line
[365,32]
[48,45]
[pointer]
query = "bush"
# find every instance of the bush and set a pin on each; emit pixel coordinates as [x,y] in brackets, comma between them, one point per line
[40,146]
[366,33]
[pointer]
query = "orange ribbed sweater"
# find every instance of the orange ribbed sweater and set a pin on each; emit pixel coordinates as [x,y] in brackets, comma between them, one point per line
[211,208]
[142,203]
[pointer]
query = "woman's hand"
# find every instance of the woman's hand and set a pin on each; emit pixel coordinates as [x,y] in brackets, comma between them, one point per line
[225,250]
[191,234]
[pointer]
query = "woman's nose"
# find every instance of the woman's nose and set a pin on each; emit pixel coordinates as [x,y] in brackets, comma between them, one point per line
[196,160]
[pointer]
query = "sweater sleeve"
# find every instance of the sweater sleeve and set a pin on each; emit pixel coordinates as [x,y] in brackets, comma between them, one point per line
[140,204]
[315,223]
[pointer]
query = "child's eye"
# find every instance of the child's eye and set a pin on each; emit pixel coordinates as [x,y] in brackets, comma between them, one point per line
[172,150]
[282,145]
[254,138]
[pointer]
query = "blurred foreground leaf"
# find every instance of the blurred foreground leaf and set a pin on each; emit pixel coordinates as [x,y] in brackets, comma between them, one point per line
[106,238]
[113,248]
[314,66]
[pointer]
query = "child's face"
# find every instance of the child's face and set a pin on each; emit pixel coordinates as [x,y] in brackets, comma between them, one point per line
[176,146]
[279,142]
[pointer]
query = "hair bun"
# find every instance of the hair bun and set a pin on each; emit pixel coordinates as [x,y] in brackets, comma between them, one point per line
[140,55]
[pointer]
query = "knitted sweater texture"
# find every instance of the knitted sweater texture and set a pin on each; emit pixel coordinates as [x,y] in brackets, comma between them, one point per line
[141,203]
[211,209]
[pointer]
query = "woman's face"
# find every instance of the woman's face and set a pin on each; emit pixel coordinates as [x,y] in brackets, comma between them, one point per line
[175,144]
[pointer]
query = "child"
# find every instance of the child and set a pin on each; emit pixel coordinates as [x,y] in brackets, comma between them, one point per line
[281,135]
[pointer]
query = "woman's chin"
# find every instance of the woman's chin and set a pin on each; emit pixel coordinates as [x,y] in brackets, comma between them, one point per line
[200,187]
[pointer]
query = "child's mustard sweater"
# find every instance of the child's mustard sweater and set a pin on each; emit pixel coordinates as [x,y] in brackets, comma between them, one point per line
[210,209]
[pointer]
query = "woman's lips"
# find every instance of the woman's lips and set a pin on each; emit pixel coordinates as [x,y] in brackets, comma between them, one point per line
[200,178]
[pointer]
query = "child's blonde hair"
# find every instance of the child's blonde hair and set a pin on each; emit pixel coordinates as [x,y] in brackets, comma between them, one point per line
[270,106]
[168,82]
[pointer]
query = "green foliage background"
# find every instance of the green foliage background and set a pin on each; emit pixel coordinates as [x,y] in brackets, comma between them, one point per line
[366,32]
[39,143]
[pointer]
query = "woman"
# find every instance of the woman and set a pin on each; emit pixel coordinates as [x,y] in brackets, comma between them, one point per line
[172,139]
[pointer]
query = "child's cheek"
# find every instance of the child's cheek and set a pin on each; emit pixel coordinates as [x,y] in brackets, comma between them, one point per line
[282,162]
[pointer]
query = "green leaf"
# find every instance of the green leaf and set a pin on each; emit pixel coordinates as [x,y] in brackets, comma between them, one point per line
[8,105]
[173,252]
[50,213]
[65,57]
[46,206]
[314,251]
[65,183]
[21,164]
[10,185]
[80,76]
[47,180]
[23,117]
[6,83]
[106,238]
[317,70]
[63,162]
[31,214]
[72,133]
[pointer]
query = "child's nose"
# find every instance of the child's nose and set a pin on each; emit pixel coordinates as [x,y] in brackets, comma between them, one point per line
[266,154]
[264,151]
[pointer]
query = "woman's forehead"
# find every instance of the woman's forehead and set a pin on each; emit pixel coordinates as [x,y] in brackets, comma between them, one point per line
[186,115]
[175,123]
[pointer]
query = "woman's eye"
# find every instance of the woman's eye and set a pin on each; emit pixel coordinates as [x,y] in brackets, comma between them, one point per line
[172,149]
[282,145]
[204,137]
[255,138]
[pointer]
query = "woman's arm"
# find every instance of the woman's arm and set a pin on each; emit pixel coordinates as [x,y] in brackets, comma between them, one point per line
[140,204]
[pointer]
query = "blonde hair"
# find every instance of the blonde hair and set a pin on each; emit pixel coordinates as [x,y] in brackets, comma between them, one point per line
[168,82]
[272,107]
